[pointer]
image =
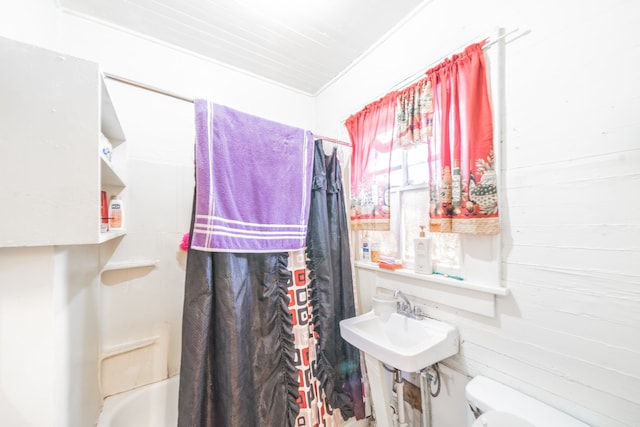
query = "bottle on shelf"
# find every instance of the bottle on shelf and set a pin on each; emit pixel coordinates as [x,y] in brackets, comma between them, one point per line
[104,212]
[116,214]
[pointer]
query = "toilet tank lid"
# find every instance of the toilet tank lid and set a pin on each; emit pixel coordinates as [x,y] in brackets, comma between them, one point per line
[486,394]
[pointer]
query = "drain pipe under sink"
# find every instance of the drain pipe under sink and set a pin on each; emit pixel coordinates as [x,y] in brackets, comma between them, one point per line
[400,398]
[424,399]
[426,381]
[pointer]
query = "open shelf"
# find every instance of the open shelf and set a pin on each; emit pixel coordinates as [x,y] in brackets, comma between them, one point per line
[123,265]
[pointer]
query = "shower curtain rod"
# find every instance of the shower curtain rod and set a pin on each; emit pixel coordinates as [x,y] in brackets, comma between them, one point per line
[187,99]
[147,87]
[333,140]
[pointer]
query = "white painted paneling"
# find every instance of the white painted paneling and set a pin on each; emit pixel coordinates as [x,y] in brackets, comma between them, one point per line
[49,336]
[160,179]
[160,138]
[302,45]
[555,390]
[27,364]
[49,147]
[158,200]
[76,307]
[566,333]
[563,355]
[178,71]
[30,21]
[553,302]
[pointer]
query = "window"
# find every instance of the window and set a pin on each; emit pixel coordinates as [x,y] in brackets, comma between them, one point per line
[451,108]
[408,197]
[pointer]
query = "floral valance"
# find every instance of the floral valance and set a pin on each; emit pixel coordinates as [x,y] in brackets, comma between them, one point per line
[414,115]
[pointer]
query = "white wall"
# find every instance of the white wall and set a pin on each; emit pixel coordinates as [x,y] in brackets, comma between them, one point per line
[75,328]
[171,69]
[26,336]
[56,309]
[160,137]
[567,333]
[48,336]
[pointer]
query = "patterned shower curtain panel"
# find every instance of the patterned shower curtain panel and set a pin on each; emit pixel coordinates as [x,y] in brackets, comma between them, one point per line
[321,295]
[311,399]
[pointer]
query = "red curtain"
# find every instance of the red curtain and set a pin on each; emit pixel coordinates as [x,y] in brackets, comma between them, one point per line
[371,133]
[414,115]
[463,183]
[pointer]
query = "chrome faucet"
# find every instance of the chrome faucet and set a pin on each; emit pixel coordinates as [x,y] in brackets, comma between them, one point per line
[404,306]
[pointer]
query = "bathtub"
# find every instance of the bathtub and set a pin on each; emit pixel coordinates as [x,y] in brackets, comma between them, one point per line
[153,405]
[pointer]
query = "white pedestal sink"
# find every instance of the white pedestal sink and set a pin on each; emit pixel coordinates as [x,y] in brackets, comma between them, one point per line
[400,341]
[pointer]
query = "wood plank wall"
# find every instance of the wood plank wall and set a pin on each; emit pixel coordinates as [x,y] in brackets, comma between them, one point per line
[569,332]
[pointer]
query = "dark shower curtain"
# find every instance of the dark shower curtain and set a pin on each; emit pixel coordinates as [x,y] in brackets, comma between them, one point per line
[237,367]
[332,299]
[237,350]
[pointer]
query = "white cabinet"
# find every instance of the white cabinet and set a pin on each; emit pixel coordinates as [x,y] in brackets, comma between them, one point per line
[53,108]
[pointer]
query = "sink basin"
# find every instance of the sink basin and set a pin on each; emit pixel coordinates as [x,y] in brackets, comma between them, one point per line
[399,341]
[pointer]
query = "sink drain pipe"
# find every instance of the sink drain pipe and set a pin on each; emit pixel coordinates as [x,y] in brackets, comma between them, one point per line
[424,399]
[400,397]
[426,380]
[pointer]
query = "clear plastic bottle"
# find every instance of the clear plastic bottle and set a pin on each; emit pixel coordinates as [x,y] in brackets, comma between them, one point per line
[116,214]
[375,252]
[366,255]
[366,249]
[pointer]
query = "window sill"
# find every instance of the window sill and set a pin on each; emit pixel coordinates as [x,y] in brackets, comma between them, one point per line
[435,278]
[461,294]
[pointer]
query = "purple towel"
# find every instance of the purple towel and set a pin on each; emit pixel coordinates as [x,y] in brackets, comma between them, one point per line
[253,182]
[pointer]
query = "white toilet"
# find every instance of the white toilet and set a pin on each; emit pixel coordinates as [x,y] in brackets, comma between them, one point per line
[501,406]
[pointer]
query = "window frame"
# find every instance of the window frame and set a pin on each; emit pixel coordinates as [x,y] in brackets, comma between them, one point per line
[398,229]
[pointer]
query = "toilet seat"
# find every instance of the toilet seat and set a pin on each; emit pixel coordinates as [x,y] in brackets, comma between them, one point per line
[500,419]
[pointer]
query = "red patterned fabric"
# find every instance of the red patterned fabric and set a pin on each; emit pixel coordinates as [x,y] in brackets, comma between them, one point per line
[312,404]
[463,182]
[414,115]
[371,133]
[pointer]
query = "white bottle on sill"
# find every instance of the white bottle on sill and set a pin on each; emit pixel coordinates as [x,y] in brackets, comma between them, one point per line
[422,247]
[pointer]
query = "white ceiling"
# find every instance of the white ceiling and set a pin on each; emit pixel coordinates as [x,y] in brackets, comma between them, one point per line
[303,44]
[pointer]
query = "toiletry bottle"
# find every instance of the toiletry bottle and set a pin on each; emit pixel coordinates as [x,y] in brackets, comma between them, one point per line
[375,252]
[366,254]
[104,212]
[422,246]
[106,148]
[116,214]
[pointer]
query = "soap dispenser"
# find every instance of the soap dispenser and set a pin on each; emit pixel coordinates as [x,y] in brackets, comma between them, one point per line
[422,247]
